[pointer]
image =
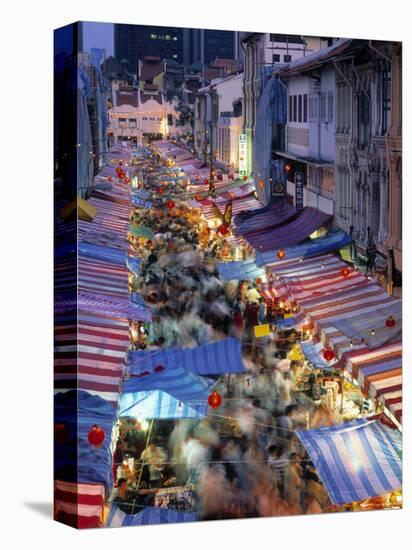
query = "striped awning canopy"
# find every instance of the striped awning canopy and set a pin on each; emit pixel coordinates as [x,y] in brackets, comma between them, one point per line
[221,357]
[356,460]
[159,404]
[246,269]
[80,505]
[349,313]
[292,232]
[148,516]
[264,218]
[75,458]
[333,240]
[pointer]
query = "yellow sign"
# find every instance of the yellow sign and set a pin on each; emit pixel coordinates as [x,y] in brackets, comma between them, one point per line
[262,330]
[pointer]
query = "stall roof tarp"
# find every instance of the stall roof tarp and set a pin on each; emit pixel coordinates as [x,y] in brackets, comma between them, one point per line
[180,383]
[148,516]
[264,218]
[290,233]
[142,232]
[114,307]
[78,411]
[80,505]
[313,247]
[356,460]
[371,326]
[312,352]
[216,358]
[158,404]
[103,253]
[246,269]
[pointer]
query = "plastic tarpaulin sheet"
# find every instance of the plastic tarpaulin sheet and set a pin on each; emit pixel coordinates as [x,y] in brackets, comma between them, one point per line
[313,247]
[356,460]
[216,358]
[264,218]
[158,404]
[246,269]
[141,231]
[111,255]
[78,411]
[288,234]
[312,352]
[148,516]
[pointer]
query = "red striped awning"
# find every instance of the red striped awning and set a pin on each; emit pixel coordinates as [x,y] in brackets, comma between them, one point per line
[79,505]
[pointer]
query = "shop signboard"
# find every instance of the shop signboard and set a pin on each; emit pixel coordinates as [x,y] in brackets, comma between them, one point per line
[243,155]
[299,191]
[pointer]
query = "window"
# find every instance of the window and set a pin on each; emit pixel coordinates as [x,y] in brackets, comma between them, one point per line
[275,58]
[305,107]
[287,58]
[144,118]
[314,179]
[295,110]
[290,108]
[169,120]
[363,120]
[330,107]
[299,108]
[153,36]
[313,108]
[122,123]
[167,37]
[152,118]
[386,99]
[323,107]
[132,123]
[174,56]
[175,38]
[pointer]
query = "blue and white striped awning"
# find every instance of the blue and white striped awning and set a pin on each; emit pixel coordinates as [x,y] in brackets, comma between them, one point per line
[158,404]
[356,460]
[148,516]
[167,392]
[221,357]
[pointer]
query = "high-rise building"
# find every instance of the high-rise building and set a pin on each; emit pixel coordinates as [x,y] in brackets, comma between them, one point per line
[134,42]
[215,44]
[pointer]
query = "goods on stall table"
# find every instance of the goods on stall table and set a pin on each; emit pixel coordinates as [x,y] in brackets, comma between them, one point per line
[176,498]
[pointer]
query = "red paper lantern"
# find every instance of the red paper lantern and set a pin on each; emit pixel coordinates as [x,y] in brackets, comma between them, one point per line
[96,435]
[328,354]
[344,271]
[160,190]
[60,433]
[390,322]
[261,184]
[280,254]
[206,182]
[170,204]
[126,180]
[223,229]
[219,177]
[244,178]
[214,399]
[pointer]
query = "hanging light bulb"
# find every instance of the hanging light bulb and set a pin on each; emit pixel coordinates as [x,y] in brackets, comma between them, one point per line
[373,332]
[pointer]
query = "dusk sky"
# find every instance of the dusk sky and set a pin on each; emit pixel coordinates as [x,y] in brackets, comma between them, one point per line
[98,35]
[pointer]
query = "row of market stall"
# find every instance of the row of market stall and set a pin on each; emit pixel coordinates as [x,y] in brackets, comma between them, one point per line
[351,330]
[93,310]
[102,373]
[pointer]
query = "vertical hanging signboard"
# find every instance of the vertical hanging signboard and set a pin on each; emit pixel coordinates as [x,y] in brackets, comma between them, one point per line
[299,191]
